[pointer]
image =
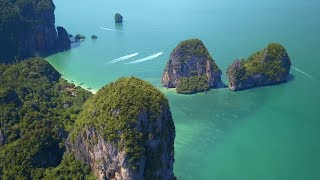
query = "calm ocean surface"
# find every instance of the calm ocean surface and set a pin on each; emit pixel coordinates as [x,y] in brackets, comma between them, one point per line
[269,133]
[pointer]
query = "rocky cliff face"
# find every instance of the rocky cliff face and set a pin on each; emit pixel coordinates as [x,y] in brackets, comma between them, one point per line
[29,30]
[126,132]
[41,37]
[267,67]
[118,18]
[191,58]
[63,42]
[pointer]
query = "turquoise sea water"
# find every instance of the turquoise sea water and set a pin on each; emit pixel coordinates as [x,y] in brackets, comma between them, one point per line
[269,133]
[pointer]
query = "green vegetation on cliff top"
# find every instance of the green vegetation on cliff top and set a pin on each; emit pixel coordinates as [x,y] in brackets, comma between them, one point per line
[29,11]
[271,67]
[265,62]
[115,111]
[37,109]
[192,47]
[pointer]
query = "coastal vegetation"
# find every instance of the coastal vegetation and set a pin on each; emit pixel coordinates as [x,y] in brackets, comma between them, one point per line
[37,110]
[192,47]
[266,67]
[133,117]
[128,98]
[69,168]
[271,66]
[193,84]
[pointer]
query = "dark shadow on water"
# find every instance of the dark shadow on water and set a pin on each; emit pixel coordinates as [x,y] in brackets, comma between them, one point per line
[290,78]
[74,44]
[118,26]
[221,85]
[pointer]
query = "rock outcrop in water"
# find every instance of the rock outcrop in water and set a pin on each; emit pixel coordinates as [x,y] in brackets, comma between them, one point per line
[118,18]
[63,42]
[126,131]
[267,67]
[79,37]
[191,69]
[27,29]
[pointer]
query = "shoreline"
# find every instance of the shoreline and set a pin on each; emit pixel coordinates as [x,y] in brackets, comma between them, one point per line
[166,90]
[80,84]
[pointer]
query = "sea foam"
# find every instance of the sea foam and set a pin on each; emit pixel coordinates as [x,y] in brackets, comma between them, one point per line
[146,58]
[108,29]
[123,58]
[304,73]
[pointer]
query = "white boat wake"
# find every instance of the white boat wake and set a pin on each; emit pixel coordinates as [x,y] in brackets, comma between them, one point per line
[123,58]
[108,29]
[146,58]
[304,73]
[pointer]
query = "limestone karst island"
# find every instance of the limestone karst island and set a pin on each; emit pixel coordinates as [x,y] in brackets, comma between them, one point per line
[191,69]
[159,90]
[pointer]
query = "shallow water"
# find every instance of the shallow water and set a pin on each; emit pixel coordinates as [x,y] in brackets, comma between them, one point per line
[267,133]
